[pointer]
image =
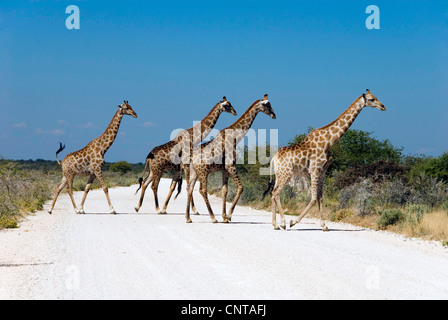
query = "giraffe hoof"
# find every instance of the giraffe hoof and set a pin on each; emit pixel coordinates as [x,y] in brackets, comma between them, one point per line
[189,221]
[225,220]
[136,209]
[196,213]
[161,212]
[325,228]
[292,223]
[214,221]
[49,211]
[112,212]
[283,226]
[80,211]
[276,228]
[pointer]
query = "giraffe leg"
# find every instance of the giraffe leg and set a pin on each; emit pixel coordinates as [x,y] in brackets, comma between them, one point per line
[195,211]
[319,205]
[203,192]
[70,192]
[174,182]
[187,179]
[279,185]
[86,191]
[142,195]
[155,187]
[314,187]
[232,171]
[274,214]
[106,191]
[59,188]
[320,191]
[225,182]
[192,182]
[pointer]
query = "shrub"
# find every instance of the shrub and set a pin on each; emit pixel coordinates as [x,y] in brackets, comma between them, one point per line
[389,217]
[120,166]
[340,214]
[7,222]
[360,196]
[415,212]
[427,190]
[377,171]
[435,167]
[21,191]
[393,192]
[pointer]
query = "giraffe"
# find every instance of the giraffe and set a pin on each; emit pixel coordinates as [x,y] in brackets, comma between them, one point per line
[90,160]
[219,154]
[311,158]
[175,155]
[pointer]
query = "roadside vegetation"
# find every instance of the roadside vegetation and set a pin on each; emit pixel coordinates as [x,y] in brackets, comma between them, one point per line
[370,183]
[25,185]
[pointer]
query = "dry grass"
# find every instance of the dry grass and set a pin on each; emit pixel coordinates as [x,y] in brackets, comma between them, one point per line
[433,226]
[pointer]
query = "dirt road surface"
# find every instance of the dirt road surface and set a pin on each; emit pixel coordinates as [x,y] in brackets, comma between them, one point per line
[150,256]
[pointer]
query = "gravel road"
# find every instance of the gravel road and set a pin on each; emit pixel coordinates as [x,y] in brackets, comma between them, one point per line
[150,256]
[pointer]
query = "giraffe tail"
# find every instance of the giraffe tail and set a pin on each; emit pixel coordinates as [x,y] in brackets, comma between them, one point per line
[140,180]
[179,182]
[61,147]
[271,182]
[179,187]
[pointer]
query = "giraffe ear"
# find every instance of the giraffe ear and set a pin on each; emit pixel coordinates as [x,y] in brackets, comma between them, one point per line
[368,91]
[119,106]
[265,97]
[224,98]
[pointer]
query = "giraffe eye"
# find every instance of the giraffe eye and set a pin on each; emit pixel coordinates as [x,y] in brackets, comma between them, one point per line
[372,100]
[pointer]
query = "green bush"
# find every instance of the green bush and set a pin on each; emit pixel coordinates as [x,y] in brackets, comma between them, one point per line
[7,222]
[360,196]
[415,212]
[389,217]
[121,167]
[22,191]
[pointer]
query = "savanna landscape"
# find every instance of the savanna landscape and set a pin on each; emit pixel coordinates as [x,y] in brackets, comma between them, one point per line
[370,183]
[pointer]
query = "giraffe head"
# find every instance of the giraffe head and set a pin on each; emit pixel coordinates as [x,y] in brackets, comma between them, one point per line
[371,101]
[264,106]
[127,109]
[226,106]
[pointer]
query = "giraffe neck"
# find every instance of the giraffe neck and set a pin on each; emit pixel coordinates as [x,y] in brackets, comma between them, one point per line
[107,138]
[243,124]
[335,130]
[200,131]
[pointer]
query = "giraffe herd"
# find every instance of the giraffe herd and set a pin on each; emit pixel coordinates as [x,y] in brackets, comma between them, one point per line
[185,153]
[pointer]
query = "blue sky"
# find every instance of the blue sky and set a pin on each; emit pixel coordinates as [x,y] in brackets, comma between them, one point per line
[173,60]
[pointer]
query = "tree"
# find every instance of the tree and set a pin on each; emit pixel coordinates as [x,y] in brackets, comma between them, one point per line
[435,167]
[120,166]
[357,147]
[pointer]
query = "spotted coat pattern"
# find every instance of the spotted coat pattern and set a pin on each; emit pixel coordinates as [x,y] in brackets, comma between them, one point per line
[311,158]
